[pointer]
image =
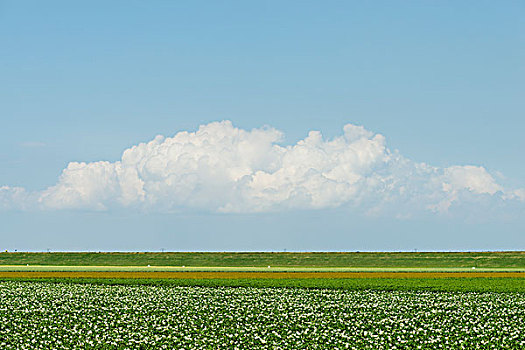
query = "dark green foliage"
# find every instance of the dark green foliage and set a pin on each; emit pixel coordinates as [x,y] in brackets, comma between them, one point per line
[87,316]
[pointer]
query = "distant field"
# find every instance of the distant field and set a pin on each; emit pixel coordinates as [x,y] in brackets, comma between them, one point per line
[252,274]
[469,271]
[185,269]
[489,260]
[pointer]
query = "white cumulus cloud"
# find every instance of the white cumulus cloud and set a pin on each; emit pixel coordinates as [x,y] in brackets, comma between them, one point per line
[221,168]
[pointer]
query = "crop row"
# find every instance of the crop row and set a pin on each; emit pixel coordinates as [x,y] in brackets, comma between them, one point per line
[82,316]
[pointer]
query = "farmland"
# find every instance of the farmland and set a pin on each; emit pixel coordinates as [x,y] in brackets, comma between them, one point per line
[462,284]
[438,271]
[262,300]
[85,316]
[281,259]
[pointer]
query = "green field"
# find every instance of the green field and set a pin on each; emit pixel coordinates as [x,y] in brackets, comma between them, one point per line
[150,268]
[388,260]
[352,262]
[500,285]
[87,316]
[165,302]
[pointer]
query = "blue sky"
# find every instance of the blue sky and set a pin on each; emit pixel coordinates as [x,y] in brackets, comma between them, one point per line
[443,82]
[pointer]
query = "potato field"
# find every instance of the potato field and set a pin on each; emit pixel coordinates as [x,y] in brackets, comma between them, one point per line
[87,316]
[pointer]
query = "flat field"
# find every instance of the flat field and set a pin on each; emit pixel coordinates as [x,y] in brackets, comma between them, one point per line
[262,300]
[263,259]
[471,271]
[84,316]
[452,284]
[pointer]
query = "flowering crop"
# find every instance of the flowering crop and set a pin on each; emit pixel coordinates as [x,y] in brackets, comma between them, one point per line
[83,316]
